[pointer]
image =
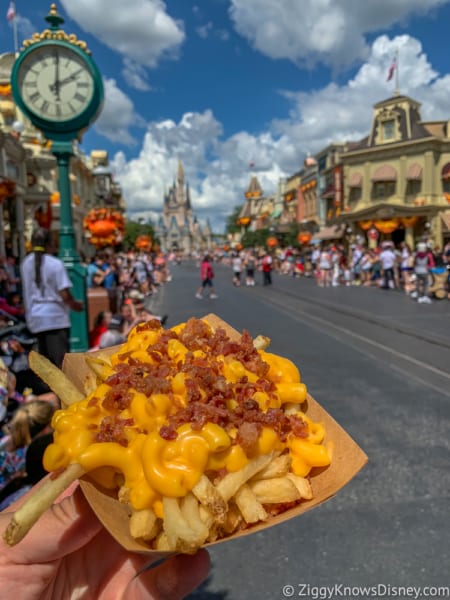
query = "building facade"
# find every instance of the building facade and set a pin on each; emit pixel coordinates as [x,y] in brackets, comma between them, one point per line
[393,184]
[396,180]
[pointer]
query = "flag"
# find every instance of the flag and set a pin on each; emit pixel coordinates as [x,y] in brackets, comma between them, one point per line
[392,69]
[11,13]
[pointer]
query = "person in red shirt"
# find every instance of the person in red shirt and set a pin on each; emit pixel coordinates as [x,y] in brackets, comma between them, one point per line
[207,276]
[101,325]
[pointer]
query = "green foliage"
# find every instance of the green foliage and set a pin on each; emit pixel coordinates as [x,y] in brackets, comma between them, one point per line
[250,239]
[132,230]
[232,226]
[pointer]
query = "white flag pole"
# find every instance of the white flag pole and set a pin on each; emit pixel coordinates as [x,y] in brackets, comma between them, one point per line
[397,68]
[16,42]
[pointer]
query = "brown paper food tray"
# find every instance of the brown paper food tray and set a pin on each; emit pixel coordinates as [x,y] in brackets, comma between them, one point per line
[348,459]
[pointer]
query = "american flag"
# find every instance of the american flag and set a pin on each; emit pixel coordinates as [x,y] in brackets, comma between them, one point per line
[11,13]
[392,69]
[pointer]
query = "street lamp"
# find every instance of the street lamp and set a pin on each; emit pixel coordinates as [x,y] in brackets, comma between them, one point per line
[62,97]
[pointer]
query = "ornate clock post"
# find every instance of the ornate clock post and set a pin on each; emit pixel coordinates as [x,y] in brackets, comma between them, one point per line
[59,88]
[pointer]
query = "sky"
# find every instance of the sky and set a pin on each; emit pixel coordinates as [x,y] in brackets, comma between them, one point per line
[235,88]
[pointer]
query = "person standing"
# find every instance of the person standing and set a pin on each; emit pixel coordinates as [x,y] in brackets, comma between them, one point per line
[237,269]
[387,260]
[266,266]
[47,297]
[206,276]
[250,265]
[423,262]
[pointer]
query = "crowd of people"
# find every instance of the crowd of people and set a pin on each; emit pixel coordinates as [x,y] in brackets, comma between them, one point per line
[418,271]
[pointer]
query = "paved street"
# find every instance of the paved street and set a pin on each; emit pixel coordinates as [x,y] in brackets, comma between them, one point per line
[380,364]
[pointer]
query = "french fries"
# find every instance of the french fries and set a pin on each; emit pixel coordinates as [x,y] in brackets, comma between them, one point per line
[185,484]
[54,378]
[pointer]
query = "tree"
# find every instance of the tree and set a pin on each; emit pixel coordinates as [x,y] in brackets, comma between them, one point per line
[232,225]
[132,230]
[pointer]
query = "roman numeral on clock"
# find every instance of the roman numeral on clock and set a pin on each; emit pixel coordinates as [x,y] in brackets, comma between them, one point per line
[79,97]
[34,97]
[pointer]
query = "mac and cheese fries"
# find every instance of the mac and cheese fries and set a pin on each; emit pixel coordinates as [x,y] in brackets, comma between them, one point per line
[201,435]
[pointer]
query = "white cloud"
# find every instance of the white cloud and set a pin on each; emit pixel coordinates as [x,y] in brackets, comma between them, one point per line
[135,75]
[218,169]
[118,115]
[327,31]
[340,113]
[140,30]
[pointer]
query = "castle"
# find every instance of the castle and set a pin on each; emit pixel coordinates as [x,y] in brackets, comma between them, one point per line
[178,227]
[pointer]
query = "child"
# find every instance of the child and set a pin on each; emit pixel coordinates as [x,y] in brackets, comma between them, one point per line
[207,276]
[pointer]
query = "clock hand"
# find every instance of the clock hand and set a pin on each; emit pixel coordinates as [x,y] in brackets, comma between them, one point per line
[68,79]
[57,84]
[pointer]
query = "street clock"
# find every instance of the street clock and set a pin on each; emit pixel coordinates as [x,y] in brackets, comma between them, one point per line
[56,83]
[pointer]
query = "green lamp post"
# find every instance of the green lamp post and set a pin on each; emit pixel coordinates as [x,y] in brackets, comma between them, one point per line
[59,88]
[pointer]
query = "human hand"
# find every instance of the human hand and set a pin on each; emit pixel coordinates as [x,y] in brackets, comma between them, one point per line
[77,306]
[68,554]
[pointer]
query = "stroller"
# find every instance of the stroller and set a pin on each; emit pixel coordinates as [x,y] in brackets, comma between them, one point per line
[438,283]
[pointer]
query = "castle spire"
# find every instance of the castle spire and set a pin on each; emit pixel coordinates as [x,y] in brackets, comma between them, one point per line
[180,171]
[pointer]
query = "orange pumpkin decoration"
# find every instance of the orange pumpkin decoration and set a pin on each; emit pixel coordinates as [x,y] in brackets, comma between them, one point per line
[409,221]
[5,89]
[104,226]
[365,225]
[272,242]
[143,242]
[387,226]
[304,237]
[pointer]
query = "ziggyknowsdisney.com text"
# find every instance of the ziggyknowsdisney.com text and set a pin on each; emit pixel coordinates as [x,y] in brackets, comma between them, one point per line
[381,590]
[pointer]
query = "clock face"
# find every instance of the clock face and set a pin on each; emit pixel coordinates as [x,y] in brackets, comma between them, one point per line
[55,83]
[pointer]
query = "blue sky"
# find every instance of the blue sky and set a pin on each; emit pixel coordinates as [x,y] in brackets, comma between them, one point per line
[223,83]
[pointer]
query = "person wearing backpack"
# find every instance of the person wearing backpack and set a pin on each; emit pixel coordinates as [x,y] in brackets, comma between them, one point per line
[206,276]
[423,262]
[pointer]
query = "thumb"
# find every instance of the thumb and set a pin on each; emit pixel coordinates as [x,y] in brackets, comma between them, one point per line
[62,529]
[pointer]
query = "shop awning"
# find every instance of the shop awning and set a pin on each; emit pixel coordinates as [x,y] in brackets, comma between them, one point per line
[414,172]
[335,232]
[355,180]
[446,171]
[328,193]
[385,173]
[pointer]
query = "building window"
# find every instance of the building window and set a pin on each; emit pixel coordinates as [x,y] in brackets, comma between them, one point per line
[388,130]
[413,188]
[383,189]
[354,195]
